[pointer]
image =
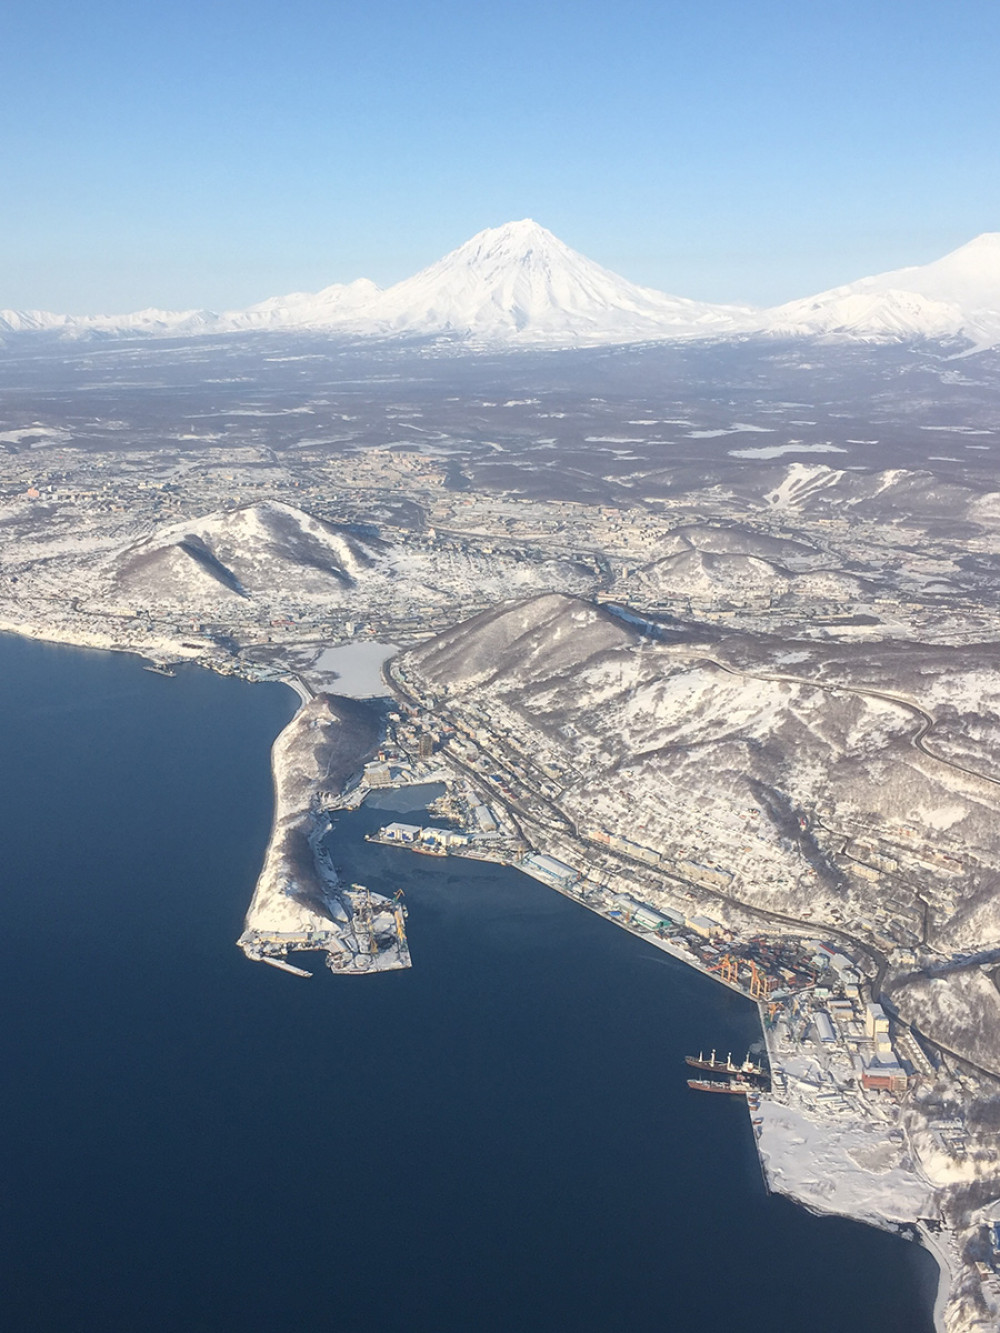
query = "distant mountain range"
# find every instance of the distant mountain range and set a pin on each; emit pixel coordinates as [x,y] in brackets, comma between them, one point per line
[519,284]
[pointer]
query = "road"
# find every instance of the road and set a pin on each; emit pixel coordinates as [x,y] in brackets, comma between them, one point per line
[925,720]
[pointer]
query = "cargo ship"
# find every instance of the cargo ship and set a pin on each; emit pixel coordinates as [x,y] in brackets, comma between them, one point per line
[738,1087]
[747,1069]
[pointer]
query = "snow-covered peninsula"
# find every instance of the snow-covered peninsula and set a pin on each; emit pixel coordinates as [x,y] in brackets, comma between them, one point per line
[299,902]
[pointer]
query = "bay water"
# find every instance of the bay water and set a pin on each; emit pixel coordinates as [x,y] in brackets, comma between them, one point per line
[499,1139]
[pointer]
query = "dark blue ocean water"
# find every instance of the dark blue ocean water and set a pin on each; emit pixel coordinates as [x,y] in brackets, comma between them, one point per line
[499,1139]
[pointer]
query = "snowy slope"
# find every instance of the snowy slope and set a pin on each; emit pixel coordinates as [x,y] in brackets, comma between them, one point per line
[702,574]
[340,304]
[245,553]
[956,295]
[765,776]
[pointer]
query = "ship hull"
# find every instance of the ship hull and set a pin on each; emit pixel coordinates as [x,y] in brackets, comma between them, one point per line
[712,1085]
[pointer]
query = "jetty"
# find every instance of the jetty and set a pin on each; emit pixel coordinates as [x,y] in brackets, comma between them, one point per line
[285,967]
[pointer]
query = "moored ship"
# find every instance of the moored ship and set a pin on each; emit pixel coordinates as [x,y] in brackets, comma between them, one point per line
[738,1087]
[748,1069]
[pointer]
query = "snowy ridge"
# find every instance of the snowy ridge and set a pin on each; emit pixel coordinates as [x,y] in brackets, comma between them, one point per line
[519,283]
[163,322]
[321,309]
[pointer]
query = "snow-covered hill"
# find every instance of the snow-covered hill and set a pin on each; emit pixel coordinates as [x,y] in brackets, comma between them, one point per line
[271,556]
[245,553]
[701,575]
[518,283]
[717,755]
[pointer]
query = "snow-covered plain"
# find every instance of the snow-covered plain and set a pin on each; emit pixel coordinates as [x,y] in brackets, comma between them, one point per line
[851,1169]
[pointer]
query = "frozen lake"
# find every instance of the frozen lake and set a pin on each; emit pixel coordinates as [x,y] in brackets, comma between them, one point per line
[353,669]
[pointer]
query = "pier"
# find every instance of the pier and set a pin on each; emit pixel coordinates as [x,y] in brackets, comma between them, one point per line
[285,967]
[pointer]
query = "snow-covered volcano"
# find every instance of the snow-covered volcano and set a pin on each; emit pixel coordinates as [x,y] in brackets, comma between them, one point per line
[521,282]
[953,296]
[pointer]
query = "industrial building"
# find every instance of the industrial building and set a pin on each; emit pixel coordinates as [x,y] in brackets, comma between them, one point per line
[549,869]
[824,1027]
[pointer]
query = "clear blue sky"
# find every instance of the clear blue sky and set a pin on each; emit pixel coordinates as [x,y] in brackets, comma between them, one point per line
[214,153]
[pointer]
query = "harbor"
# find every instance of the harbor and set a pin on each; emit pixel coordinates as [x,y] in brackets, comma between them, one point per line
[504,1102]
[814,999]
[835,1066]
[372,939]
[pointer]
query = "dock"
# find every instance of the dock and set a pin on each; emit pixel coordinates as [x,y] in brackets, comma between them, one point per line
[285,967]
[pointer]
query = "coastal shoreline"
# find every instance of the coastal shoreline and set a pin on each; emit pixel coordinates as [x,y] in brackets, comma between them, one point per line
[945,1277]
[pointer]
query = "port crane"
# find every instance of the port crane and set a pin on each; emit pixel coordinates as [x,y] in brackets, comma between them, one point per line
[728,969]
[399,913]
[370,922]
[760,983]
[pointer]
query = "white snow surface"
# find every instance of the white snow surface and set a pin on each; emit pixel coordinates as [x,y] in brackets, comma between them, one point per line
[779,450]
[353,669]
[831,1167]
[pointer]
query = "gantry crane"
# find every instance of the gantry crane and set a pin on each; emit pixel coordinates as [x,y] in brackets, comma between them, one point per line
[760,983]
[728,969]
